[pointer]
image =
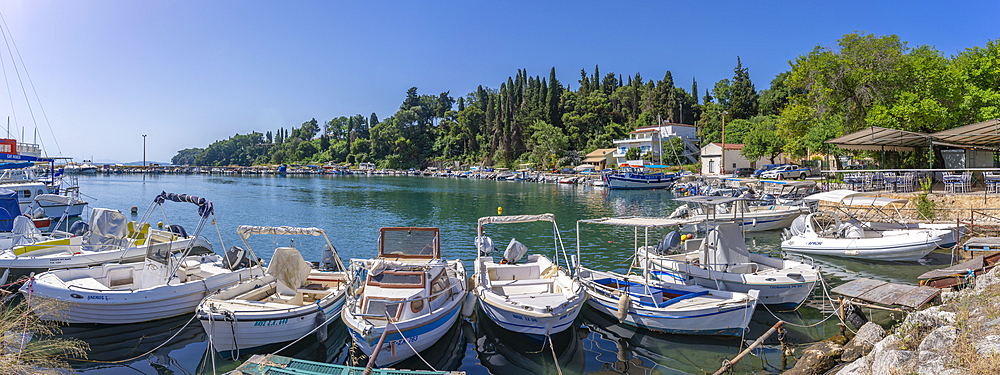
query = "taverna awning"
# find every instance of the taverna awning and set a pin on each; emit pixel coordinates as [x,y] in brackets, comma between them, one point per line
[986,133]
[877,139]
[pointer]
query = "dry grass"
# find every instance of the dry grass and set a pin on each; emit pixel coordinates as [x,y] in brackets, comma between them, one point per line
[972,312]
[41,353]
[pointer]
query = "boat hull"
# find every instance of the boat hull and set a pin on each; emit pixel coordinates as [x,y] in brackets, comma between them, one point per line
[419,334]
[751,222]
[244,331]
[889,248]
[538,325]
[618,182]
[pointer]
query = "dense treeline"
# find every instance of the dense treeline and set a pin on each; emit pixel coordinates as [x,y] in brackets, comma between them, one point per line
[867,80]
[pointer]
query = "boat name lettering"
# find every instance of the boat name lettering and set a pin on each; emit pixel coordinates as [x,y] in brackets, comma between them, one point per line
[103,298]
[524,318]
[268,323]
[403,341]
[814,243]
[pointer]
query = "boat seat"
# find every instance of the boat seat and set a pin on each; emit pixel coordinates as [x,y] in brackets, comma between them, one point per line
[516,287]
[87,283]
[513,272]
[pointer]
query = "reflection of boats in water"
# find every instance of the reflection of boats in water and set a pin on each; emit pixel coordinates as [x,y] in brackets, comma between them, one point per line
[644,352]
[110,342]
[506,352]
[331,350]
[445,355]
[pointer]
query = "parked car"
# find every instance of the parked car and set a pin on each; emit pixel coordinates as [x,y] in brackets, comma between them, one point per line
[765,168]
[743,172]
[788,171]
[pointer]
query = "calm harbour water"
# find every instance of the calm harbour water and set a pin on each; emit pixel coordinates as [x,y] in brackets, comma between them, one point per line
[351,209]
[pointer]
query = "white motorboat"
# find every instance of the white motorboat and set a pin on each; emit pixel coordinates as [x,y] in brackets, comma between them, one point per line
[708,209]
[109,238]
[161,286]
[825,233]
[646,302]
[405,299]
[722,261]
[291,300]
[537,296]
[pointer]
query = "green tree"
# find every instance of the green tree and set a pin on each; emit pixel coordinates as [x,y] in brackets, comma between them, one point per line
[743,99]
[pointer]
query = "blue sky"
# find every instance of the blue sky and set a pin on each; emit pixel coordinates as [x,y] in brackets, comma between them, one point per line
[187,73]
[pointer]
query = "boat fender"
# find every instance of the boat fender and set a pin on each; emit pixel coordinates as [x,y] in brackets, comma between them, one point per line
[471,285]
[623,304]
[321,323]
[469,306]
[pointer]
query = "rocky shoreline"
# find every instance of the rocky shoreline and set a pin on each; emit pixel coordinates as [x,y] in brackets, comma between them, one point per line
[959,336]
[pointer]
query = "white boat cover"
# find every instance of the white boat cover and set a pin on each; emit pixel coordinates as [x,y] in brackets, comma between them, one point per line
[246,230]
[516,219]
[106,227]
[288,266]
[484,244]
[24,230]
[515,251]
[58,199]
[725,249]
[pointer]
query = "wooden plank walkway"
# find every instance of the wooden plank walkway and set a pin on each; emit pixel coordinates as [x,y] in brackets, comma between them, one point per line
[982,244]
[886,293]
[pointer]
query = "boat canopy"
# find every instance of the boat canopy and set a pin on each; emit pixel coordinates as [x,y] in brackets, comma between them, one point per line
[58,199]
[638,221]
[205,207]
[790,183]
[246,230]
[9,209]
[854,198]
[516,219]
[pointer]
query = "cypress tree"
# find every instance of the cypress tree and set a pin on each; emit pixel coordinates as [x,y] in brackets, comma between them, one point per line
[743,99]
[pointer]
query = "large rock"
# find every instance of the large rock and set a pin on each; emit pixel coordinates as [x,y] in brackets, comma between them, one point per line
[985,281]
[862,343]
[817,359]
[988,345]
[891,362]
[940,341]
[860,366]
[888,343]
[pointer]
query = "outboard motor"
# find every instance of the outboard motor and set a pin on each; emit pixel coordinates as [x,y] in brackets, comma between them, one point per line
[177,229]
[671,242]
[79,228]
[515,251]
[798,225]
[236,258]
[485,245]
[328,263]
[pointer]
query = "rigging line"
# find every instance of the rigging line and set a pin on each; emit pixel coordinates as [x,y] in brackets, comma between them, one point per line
[32,84]
[9,96]
[18,72]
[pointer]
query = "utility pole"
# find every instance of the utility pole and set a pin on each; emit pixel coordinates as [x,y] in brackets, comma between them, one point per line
[144,157]
[723,170]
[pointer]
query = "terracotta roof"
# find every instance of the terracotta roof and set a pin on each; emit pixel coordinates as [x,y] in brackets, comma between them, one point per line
[730,146]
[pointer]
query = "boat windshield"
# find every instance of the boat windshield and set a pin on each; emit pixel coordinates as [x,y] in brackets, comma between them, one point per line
[409,243]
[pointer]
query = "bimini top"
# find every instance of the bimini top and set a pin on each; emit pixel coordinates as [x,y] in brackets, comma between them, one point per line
[854,198]
[638,221]
[516,219]
[708,199]
[246,230]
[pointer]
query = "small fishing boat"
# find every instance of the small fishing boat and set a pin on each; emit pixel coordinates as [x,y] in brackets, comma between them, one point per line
[721,261]
[647,302]
[639,177]
[405,299]
[291,300]
[825,233]
[535,297]
[162,286]
[753,218]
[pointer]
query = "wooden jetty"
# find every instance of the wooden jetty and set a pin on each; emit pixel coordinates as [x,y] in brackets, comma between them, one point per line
[982,244]
[886,293]
[277,365]
[960,274]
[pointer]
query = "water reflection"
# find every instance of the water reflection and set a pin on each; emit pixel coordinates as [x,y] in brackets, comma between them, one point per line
[503,352]
[120,344]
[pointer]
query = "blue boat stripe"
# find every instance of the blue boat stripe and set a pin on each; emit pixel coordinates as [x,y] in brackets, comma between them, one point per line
[671,317]
[392,336]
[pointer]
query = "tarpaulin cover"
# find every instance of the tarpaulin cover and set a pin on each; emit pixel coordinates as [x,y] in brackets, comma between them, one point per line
[9,209]
[289,268]
[725,249]
[204,205]
[516,219]
[515,251]
[58,199]
[246,230]
[106,227]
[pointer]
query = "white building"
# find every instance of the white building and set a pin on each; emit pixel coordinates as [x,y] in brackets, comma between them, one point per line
[649,138]
[711,159]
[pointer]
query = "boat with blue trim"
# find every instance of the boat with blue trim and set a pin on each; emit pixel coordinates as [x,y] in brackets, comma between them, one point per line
[290,300]
[405,299]
[634,176]
[647,302]
[536,296]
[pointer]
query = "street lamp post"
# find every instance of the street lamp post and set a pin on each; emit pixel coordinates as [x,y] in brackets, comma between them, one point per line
[723,166]
[144,149]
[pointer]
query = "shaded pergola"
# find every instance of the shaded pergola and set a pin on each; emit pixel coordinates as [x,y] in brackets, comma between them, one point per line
[983,135]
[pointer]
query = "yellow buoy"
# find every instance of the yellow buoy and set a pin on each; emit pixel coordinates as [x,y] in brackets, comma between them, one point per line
[499,210]
[159,224]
